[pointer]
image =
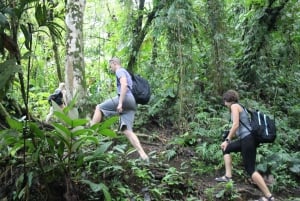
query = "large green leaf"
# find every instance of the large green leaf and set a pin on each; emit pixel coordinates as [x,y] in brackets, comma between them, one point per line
[16,147]
[27,36]
[55,29]
[103,148]
[108,132]
[99,152]
[62,133]
[80,132]
[41,14]
[36,130]
[14,124]
[78,122]
[63,117]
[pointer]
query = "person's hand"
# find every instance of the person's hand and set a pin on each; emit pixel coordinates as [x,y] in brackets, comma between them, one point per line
[224,145]
[120,108]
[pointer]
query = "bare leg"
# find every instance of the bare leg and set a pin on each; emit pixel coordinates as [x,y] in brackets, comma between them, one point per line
[136,143]
[228,165]
[260,182]
[97,116]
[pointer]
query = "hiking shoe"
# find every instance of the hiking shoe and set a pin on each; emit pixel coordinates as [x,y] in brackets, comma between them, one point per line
[223,179]
[271,198]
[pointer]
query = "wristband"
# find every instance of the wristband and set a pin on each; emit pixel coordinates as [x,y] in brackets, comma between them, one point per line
[227,140]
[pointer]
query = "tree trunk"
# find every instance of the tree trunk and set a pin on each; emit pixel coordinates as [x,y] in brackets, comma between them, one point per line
[75,69]
[218,53]
[140,32]
[256,40]
[55,44]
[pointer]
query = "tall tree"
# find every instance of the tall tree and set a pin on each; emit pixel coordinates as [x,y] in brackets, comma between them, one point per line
[75,68]
[216,16]
[258,31]
[140,31]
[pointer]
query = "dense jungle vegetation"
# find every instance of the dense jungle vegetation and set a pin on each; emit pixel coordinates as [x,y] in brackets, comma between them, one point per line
[191,52]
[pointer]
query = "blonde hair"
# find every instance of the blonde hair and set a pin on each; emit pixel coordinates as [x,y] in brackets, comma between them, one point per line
[62,85]
[116,60]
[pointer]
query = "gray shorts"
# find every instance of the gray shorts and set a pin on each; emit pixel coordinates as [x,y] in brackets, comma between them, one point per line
[109,108]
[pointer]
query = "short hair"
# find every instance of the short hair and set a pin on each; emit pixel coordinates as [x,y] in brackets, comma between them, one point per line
[231,96]
[115,59]
[61,85]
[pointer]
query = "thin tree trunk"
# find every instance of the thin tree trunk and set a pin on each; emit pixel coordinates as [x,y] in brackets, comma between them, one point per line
[140,33]
[215,15]
[55,45]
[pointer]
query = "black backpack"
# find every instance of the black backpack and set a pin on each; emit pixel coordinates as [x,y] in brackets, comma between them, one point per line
[262,126]
[140,89]
[57,97]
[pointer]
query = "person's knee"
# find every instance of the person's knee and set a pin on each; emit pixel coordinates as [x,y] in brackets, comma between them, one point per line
[226,152]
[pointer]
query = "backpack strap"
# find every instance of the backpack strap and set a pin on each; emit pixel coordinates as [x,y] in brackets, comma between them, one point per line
[243,122]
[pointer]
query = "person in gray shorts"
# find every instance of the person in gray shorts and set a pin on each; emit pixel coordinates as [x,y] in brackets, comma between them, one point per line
[124,105]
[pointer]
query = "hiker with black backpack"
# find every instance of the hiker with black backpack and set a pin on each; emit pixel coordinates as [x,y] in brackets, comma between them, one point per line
[123,104]
[59,98]
[245,143]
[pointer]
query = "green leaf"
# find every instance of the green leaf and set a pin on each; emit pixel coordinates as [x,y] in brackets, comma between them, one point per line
[27,36]
[55,29]
[91,138]
[61,149]
[51,143]
[109,122]
[262,167]
[78,122]
[41,14]
[79,132]
[63,117]
[103,148]
[98,187]
[80,161]
[220,194]
[17,146]
[295,168]
[108,132]
[15,124]
[94,187]
[62,133]
[35,129]
[76,145]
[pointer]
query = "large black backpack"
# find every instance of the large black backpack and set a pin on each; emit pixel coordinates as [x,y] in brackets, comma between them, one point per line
[262,126]
[57,97]
[140,89]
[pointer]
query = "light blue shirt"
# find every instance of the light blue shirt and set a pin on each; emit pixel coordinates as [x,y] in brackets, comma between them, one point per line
[121,72]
